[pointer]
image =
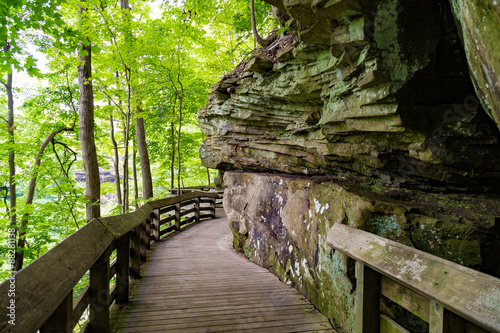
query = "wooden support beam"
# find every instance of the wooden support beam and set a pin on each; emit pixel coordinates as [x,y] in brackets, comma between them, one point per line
[142,241]
[197,209]
[148,234]
[122,268]
[408,299]
[135,254]
[61,320]
[155,218]
[367,306]
[177,216]
[99,295]
[213,207]
[80,304]
[387,325]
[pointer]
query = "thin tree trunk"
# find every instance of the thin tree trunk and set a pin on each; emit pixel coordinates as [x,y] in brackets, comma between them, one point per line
[256,35]
[179,164]
[172,131]
[134,171]
[31,192]
[116,161]
[125,206]
[12,154]
[89,154]
[140,133]
[172,160]
[208,176]
[125,203]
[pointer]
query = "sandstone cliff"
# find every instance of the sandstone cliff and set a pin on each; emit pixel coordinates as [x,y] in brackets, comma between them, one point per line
[380,114]
[378,89]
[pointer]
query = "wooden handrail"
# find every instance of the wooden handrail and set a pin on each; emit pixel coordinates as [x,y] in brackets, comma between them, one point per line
[451,297]
[46,284]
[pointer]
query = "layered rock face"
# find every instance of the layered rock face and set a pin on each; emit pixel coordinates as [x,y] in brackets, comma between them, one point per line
[364,114]
[378,88]
[281,221]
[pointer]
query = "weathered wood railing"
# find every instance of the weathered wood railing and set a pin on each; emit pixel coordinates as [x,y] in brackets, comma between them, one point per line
[185,190]
[450,297]
[44,289]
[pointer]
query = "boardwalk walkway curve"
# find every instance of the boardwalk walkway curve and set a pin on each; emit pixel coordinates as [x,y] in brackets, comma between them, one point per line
[195,282]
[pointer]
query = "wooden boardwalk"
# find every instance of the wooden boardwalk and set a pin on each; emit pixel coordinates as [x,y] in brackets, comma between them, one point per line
[195,282]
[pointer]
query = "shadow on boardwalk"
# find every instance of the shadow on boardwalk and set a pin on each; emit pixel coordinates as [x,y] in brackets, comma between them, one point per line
[195,282]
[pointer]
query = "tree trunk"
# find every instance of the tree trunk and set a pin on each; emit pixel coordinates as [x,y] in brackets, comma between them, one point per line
[89,154]
[12,153]
[31,193]
[172,160]
[140,133]
[208,176]
[116,161]
[134,171]
[124,5]
[179,164]
[256,35]
[125,203]
[172,131]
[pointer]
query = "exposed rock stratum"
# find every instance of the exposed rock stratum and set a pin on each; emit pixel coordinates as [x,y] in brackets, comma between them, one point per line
[380,114]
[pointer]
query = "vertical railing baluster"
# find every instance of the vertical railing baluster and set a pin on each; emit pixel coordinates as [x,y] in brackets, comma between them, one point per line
[441,320]
[212,205]
[135,253]
[367,305]
[197,207]
[60,320]
[178,216]
[155,216]
[99,295]
[122,268]
[142,241]
[148,234]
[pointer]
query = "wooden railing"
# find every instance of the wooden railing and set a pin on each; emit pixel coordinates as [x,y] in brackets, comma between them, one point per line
[42,292]
[190,189]
[450,297]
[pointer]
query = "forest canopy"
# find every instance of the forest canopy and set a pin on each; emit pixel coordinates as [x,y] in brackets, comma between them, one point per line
[149,63]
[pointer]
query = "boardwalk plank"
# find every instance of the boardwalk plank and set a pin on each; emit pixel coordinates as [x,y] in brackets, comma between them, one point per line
[195,282]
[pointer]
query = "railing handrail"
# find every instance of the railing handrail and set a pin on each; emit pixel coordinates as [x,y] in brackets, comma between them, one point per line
[467,293]
[43,285]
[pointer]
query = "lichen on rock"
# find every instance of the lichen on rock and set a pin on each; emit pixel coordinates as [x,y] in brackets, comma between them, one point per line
[281,222]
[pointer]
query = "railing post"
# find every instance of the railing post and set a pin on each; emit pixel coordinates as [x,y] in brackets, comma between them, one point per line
[60,320]
[135,253]
[148,234]
[367,305]
[155,216]
[142,239]
[122,268]
[442,320]
[99,295]
[178,216]
[212,205]
[197,207]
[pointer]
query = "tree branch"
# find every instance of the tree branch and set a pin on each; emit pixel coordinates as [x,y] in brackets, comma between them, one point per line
[112,100]
[71,207]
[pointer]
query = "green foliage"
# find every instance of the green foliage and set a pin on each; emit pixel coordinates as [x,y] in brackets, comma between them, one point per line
[140,59]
